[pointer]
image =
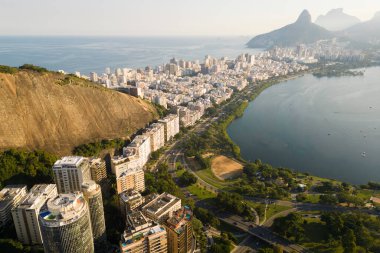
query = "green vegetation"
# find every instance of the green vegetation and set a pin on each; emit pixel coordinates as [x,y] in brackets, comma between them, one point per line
[334,232]
[23,167]
[94,148]
[187,179]
[222,244]
[200,192]
[162,111]
[33,68]
[8,70]
[206,217]
[234,203]
[262,180]
[161,181]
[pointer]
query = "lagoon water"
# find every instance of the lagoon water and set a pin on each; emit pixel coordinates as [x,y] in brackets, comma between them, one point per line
[321,126]
[87,54]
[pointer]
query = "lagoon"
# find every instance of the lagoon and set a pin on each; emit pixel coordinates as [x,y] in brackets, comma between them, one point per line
[328,127]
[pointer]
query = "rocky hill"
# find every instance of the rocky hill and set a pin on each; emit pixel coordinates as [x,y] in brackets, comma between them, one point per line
[302,31]
[55,112]
[368,32]
[336,20]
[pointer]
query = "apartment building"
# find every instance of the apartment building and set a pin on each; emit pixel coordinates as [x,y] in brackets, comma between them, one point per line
[171,126]
[92,193]
[162,207]
[132,179]
[129,201]
[143,236]
[65,225]
[70,172]
[10,197]
[98,170]
[25,215]
[140,147]
[156,132]
[180,231]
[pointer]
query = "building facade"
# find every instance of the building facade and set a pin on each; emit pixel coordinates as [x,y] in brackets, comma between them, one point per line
[25,215]
[10,197]
[162,207]
[143,236]
[65,225]
[93,195]
[129,201]
[171,126]
[98,170]
[156,132]
[180,231]
[132,179]
[70,172]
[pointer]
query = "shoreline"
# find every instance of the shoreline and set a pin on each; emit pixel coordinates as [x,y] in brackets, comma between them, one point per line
[265,86]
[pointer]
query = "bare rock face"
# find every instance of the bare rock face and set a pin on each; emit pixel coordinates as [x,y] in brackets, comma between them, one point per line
[55,113]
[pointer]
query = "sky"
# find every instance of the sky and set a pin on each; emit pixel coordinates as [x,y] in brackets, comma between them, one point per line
[164,17]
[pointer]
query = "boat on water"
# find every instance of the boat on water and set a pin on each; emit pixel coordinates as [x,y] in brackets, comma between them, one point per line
[364,154]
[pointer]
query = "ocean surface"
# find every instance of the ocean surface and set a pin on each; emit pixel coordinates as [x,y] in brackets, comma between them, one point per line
[87,54]
[321,126]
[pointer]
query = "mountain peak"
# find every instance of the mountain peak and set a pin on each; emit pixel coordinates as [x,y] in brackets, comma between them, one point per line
[336,20]
[304,17]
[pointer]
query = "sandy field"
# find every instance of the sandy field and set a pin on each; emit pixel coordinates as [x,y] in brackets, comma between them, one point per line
[225,168]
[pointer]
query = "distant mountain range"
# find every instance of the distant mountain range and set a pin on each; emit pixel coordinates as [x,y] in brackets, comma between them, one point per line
[368,32]
[301,31]
[337,20]
[335,24]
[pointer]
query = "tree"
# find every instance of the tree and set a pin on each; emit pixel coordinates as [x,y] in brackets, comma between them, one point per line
[265,250]
[187,179]
[278,249]
[290,226]
[328,199]
[349,241]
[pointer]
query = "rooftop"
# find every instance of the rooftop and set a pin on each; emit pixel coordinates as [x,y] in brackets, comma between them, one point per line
[129,195]
[129,238]
[37,196]
[64,209]
[179,218]
[161,204]
[8,193]
[69,161]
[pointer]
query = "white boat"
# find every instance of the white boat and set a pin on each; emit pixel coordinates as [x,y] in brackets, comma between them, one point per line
[364,154]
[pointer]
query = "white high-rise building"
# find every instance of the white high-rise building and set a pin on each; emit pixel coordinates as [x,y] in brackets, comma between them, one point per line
[65,225]
[25,215]
[93,195]
[156,132]
[94,77]
[70,172]
[171,124]
[10,197]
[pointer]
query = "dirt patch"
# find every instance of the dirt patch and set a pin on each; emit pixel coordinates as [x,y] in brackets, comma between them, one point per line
[225,168]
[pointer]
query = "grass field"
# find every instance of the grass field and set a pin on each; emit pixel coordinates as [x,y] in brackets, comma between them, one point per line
[200,192]
[225,168]
[209,177]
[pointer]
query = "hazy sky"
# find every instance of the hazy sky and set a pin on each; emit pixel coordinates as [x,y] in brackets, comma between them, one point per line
[163,17]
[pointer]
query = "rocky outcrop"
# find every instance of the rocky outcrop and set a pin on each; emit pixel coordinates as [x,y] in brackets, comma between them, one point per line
[54,112]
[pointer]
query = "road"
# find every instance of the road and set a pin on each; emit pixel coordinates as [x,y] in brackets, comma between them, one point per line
[261,233]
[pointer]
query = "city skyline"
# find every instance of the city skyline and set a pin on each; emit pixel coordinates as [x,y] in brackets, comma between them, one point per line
[169,18]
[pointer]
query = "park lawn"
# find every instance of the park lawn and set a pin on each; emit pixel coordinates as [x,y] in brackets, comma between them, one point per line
[200,192]
[272,209]
[312,198]
[366,194]
[275,209]
[207,176]
[179,173]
